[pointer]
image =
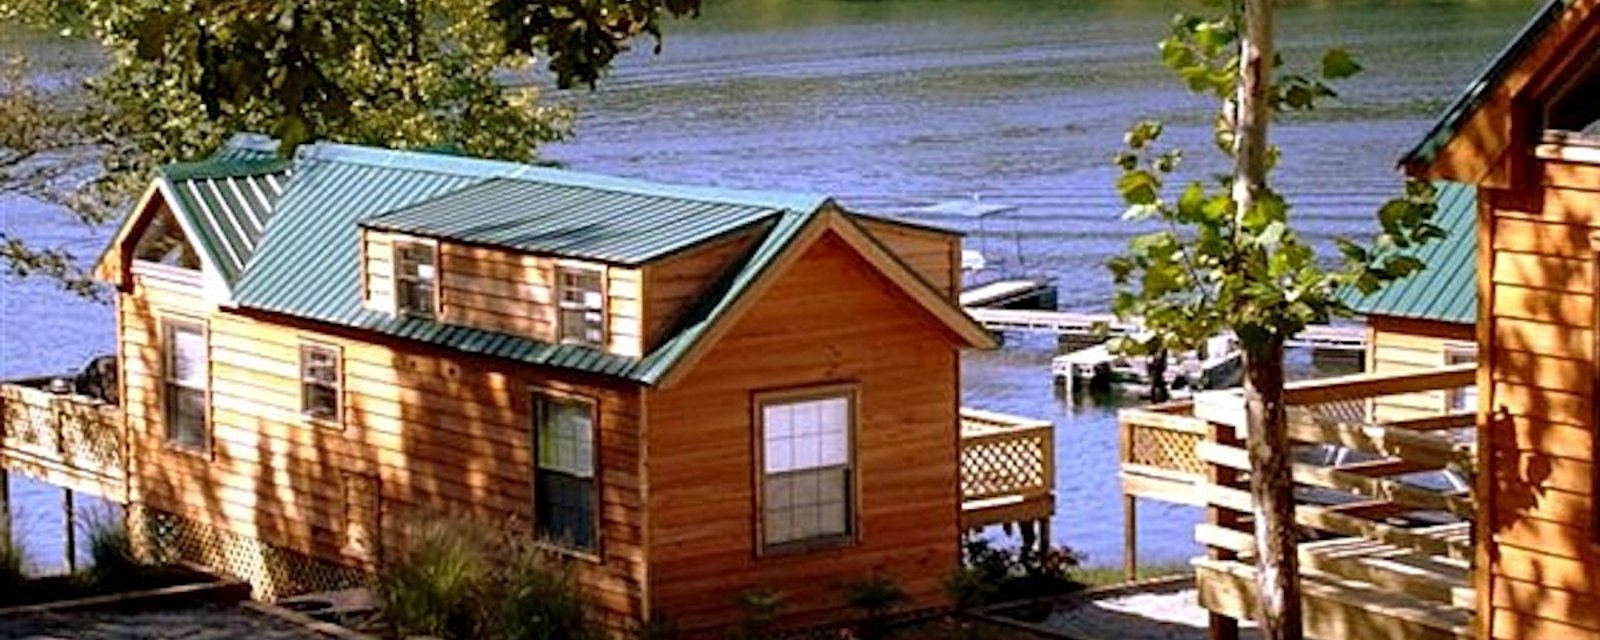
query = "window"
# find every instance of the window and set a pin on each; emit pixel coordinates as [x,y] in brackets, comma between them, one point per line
[184,373]
[1464,398]
[414,277]
[583,306]
[320,382]
[806,470]
[566,496]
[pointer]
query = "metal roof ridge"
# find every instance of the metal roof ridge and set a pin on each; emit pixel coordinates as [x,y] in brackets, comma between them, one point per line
[506,169]
[1444,128]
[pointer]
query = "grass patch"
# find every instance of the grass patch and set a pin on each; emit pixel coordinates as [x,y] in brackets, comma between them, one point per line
[1103,576]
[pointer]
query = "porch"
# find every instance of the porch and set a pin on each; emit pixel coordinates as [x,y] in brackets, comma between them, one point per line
[1384,505]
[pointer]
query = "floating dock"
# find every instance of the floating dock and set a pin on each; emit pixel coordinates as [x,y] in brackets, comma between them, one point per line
[1012,294]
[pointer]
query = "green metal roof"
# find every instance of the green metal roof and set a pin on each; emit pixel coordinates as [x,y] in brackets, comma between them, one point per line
[1446,290]
[1478,92]
[226,201]
[605,225]
[307,262]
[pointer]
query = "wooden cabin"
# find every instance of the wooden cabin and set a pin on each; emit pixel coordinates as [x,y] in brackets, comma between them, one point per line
[1527,136]
[690,392]
[1428,320]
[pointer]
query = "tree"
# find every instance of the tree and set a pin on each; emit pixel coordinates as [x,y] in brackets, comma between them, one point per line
[183,75]
[1228,260]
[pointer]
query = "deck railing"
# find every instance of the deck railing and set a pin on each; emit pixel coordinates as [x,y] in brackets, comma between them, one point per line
[68,440]
[1382,471]
[1007,468]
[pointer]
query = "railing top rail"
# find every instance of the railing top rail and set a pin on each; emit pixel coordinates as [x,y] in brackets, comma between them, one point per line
[980,422]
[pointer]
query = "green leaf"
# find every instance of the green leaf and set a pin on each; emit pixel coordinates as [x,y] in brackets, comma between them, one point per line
[1138,187]
[1338,64]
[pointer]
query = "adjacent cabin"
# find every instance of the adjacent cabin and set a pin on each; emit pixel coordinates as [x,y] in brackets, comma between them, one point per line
[1392,545]
[1527,136]
[690,392]
[1428,320]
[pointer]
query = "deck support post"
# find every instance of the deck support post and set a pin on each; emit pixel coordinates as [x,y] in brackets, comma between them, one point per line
[1221,627]
[1130,537]
[1029,536]
[1044,535]
[70,525]
[5,505]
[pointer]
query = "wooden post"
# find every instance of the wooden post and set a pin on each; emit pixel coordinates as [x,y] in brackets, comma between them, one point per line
[1044,535]
[1221,627]
[71,525]
[5,506]
[1130,537]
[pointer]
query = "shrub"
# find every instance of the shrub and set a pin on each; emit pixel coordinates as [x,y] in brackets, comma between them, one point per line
[538,598]
[968,589]
[435,586]
[760,608]
[111,550]
[876,598]
[1014,573]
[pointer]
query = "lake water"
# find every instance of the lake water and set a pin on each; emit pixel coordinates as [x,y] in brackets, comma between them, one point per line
[895,104]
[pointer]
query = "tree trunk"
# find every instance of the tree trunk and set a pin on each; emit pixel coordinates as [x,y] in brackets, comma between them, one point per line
[1271,486]
[1272,492]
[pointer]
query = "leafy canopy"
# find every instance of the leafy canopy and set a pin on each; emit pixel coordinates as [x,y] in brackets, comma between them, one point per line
[1211,268]
[182,75]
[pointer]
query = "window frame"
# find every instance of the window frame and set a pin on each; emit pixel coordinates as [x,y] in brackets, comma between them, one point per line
[170,323]
[402,281]
[563,306]
[337,419]
[1460,353]
[539,397]
[760,400]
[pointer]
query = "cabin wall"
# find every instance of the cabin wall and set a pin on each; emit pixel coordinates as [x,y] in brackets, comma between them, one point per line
[673,285]
[1541,344]
[1406,345]
[425,433]
[935,255]
[506,291]
[829,318]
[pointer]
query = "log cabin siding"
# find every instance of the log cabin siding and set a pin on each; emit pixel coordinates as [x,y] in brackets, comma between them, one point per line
[830,318]
[506,291]
[1541,512]
[434,433]
[673,284]
[1408,345]
[932,254]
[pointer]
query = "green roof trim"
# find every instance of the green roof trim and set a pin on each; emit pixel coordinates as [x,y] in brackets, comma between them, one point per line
[1449,124]
[306,264]
[603,225]
[1446,290]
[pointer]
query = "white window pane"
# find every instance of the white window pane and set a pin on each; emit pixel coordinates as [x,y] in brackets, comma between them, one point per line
[835,450]
[425,272]
[834,414]
[806,419]
[779,456]
[778,421]
[566,439]
[807,452]
[593,299]
[188,356]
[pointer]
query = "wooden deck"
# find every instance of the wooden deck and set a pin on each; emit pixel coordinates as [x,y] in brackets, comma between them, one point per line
[1387,554]
[1008,470]
[69,441]
[1086,325]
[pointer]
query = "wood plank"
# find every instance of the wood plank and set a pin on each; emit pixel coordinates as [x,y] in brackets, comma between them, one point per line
[1331,478]
[1531,599]
[1551,307]
[1536,271]
[1334,609]
[1325,519]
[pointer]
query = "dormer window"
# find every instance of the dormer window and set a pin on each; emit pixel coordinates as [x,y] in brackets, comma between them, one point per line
[583,305]
[416,278]
[1574,110]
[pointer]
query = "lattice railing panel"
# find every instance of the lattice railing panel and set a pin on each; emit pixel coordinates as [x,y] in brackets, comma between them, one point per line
[272,572]
[30,420]
[1006,464]
[1165,449]
[73,431]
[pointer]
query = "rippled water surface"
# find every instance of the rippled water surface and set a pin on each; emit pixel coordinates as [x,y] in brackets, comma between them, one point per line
[895,104]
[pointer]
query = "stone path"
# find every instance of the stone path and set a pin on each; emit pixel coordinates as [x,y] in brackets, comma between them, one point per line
[200,623]
[1158,611]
